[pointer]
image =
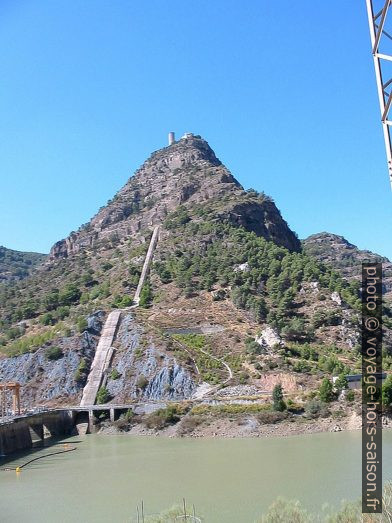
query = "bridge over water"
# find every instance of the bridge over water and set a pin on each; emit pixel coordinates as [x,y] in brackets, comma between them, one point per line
[21,431]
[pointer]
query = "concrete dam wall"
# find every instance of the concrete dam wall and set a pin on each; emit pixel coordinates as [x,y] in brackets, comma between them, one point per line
[18,434]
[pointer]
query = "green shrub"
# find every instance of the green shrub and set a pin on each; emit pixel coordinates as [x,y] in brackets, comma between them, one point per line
[177,218]
[85,298]
[47,319]
[243,377]
[333,365]
[341,383]
[126,301]
[301,366]
[141,382]
[350,396]
[164,417]
[294,329]
[81,371]
[230,409]
[70,295]
[387,392]
[146,295]
[54,353]
[106,266]
[326,318]
[62,312]
[252,347]
[115,375]
[122,425]
[284,511]
[122,301]
[102,396]
[267,416]
[193,341]
[315,408]
[82,324]
[28,343]
[189,424]
[128,416]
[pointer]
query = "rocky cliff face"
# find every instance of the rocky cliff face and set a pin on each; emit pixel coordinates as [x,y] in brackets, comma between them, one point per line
[346,257]
[144,371]
[48,381]
[186,174]
[141,370]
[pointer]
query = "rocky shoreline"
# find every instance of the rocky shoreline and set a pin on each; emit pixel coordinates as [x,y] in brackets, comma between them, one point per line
[237,427]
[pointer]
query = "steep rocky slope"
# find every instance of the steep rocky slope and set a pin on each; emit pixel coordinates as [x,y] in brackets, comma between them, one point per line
[187,173]
[15,265]
[231,300]
[346,257]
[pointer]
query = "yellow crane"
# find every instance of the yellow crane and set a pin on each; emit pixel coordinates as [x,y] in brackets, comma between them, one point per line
[9,399]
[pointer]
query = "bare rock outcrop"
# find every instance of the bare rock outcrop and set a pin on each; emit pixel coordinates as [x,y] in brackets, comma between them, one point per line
[186,173]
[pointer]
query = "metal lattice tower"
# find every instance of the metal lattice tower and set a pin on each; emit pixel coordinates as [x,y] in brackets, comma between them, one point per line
[382,65]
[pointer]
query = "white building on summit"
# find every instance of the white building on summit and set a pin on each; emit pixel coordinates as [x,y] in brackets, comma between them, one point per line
[172,139]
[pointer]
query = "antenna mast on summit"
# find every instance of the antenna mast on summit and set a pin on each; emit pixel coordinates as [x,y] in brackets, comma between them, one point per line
[378,35]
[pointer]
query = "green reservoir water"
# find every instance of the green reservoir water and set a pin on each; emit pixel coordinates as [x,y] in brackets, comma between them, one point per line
[228,480]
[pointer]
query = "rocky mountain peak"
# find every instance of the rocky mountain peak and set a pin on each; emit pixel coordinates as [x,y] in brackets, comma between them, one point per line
[347,258]
[184,174]
[187,150]
[330,238]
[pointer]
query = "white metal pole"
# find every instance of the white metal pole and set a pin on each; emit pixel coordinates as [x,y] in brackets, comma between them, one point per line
[375,41]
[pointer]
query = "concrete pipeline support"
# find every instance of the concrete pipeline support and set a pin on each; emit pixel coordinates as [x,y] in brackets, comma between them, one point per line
[147,264]
[101,360]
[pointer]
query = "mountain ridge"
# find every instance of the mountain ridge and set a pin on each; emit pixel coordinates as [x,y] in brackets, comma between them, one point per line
[346,257]
[229,286]
[185,173]
[15,265]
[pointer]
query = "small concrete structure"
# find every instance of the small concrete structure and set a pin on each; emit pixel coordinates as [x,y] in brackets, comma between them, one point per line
[187,135]
[354,381]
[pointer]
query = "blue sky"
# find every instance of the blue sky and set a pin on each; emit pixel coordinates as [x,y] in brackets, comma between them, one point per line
[284,92]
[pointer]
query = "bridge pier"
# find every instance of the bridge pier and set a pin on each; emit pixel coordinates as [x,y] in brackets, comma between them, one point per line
[91,421]
[37,429]
[14,437]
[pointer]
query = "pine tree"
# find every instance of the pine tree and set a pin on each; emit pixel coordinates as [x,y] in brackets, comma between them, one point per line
[326,390]
[277,396]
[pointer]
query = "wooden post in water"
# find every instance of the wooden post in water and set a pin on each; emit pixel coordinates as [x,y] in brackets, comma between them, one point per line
[185,515]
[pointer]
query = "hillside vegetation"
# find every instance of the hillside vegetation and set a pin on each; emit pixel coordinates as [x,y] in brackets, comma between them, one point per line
[230,288]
